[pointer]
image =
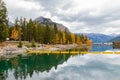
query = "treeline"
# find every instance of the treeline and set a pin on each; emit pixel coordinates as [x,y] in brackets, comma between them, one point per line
[28,31]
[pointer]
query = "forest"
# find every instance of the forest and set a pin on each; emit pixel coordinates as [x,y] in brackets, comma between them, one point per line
[24,30]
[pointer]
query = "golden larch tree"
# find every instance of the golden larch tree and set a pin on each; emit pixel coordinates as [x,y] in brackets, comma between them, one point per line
[56,38]
[73,37]
[61,41]
[89,42]
[14,34]
[78,40]
[64,38]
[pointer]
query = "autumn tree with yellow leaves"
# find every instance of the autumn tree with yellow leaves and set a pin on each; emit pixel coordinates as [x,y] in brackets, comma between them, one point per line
[73,38]
[14,34]
[89,42]
[78,41]
[56,39]
[64,38]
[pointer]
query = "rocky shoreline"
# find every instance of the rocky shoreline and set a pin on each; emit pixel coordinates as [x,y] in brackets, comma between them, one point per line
[12,50]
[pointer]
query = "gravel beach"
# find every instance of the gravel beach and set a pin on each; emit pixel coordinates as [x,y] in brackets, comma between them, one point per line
[13,50]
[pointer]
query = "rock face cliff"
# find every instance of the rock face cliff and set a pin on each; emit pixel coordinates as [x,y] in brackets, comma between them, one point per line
[44,20]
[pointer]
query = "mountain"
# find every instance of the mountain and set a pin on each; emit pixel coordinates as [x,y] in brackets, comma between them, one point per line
[44,20]
[97,37]
[10,24]
[116,39]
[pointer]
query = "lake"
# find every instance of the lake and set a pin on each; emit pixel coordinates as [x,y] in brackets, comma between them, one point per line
[63,66]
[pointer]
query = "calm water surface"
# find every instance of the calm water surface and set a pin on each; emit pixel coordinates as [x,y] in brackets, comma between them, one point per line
[62,67]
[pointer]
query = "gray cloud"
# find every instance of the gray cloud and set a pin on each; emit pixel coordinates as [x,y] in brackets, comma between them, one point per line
[92,20]
[95,14]
[110,14]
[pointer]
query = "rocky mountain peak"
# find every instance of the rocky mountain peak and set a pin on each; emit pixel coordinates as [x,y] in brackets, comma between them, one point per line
[43,21]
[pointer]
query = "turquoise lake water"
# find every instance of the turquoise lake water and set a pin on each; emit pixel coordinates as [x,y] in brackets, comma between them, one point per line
[63,67]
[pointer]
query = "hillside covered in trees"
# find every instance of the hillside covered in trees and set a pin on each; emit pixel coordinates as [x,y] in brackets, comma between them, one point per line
[24,30]
[28,31]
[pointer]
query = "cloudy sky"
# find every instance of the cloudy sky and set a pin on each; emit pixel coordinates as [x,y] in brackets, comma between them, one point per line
[80,16]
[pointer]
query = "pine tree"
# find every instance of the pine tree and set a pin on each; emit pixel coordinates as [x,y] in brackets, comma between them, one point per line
[47,34]
[35,29]
[20,28]
[24,30]
[30,29]
[55,28]
[40,33]
[3,21]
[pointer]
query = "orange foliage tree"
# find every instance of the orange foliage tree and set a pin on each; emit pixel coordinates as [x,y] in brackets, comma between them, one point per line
[89,42]
[14,34]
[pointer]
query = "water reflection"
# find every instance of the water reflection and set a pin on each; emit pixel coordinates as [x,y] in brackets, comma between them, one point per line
[101,48]
[24,66]
[82,48]
[62,66]
[94,48]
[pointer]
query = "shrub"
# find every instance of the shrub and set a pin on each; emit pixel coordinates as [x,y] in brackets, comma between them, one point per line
[33,43]
[20,43]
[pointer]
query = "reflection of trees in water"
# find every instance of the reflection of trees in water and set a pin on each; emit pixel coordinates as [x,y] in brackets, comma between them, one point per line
[24,66]
[83,48]
[4,65]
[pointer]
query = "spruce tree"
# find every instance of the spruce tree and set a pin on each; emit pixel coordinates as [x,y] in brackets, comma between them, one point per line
[55,28]
[47,34]
[3,21]
[30,29]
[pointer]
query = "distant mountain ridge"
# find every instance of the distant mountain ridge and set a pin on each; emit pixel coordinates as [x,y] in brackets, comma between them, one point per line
[44,20]
[116,39]
[10,24]
[97,37]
